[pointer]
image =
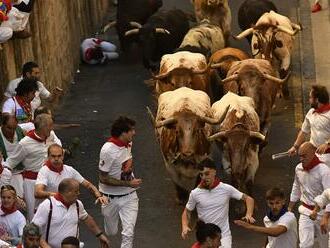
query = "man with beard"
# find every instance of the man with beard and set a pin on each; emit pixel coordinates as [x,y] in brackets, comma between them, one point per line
[280,225]
[316,123]
[211,199]
[31,236]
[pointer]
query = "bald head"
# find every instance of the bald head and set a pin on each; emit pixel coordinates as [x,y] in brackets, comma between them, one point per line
[306,153]
[67,185]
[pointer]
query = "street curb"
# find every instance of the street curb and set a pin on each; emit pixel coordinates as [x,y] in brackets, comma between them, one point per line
[307,70]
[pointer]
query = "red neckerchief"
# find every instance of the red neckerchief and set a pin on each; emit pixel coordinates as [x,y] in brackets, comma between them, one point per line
[25,106]
[315,161]
[196,245]
[215,184]
[118,142]
[7,211]
[32,135]
[59,197]
[97,41]
[89,53]
[19,246]
[322,109]
[53,168]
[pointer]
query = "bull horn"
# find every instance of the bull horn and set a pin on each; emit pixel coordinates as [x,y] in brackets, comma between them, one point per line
[152,118]
[230,78]
[217,135]
[135,24]
[132,31]
[217,65]
[257,135]
[165,122]
[160,76]
[214,121]
[162,31]
[200,71]
[296,26]
[244,34]
[286,30]
[108,26]
[275,79]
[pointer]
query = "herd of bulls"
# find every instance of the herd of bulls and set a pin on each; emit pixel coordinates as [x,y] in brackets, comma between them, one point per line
[206,90]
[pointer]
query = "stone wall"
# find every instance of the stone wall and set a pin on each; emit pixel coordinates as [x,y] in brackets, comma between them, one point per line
[57,27]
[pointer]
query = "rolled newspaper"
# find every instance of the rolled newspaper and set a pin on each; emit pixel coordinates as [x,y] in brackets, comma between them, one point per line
[280,155]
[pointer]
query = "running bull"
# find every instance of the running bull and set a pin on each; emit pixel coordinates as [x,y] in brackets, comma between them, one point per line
[273,37]
[162,34]
[132,14]
[239,135]
[255,78]
[182,129]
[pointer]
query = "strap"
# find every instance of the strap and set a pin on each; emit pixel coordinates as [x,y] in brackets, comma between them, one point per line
[77,206]
[20,133]
[3,148]
[49,218]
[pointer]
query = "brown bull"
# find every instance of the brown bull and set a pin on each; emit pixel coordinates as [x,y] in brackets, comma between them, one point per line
[239,137]
[255,78]
[219,64]
[182,130]
[182,69]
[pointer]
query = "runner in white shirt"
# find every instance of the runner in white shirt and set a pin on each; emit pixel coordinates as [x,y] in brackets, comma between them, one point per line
[67,210]
[32,70]
[54,171]
[10,135]
[32,152]
[312,177]
[316,123]
[12,220]
[280,225]
[118,182]
[20,105]
[211,200]
[96,51]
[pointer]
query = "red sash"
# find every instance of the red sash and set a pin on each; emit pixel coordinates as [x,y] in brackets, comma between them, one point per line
[53,168]
[30,175]
[118,142]
[25,106]
[322,109]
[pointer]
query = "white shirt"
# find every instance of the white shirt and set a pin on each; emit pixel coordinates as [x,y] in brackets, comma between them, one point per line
[17,20]
[112,158]
[9,106]
[64,222]
[213,205]
[318,126]
[5,177]
[308,185]
[10,147]
[287,239]
[36,102]
[12,224]
[30,152]
[52,179]
[323,199]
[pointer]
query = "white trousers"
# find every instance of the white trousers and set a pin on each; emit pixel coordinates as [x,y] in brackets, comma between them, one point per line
[124,208]
[5,34]
[17,182]
[109,50]
[308,229]
[31,202]
[226,242]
